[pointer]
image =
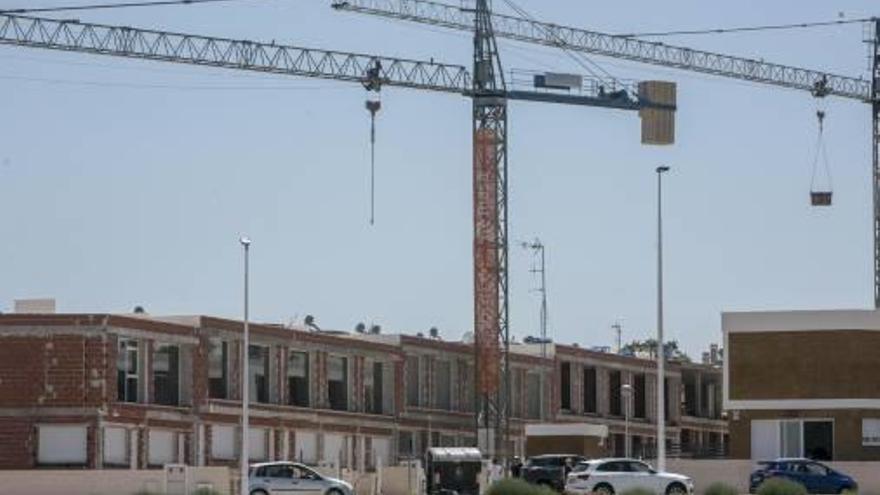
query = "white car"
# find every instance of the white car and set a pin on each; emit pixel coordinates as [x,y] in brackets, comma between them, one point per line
[273,478]
[616,476]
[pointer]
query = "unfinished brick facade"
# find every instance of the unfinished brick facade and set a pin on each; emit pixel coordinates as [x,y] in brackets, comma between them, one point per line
[135,391]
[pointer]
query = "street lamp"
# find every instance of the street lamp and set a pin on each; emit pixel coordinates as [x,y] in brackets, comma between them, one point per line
[626,390]
[245,397]
[661,349]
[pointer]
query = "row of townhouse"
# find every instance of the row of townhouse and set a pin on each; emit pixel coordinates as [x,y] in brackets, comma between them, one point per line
[139,391]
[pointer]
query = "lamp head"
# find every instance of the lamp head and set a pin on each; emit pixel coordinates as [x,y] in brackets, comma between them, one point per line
[662,168]
[245,241]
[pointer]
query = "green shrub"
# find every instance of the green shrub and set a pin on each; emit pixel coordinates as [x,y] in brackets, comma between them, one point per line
[513,486]
[721,489]
[780,486]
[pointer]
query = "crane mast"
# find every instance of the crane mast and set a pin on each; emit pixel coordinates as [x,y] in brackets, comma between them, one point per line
[491,330]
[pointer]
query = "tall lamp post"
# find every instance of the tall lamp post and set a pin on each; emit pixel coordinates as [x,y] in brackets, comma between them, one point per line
[661,349]
[626,391]
[245,393]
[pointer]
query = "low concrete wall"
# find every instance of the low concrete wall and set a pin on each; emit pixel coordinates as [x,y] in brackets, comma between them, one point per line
[736,473]
[401,480]
[109,481]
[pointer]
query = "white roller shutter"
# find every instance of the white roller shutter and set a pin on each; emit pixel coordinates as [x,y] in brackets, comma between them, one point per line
[334,449]
[162,448]
[765,439]
[306,447]
[115,446]
[382,451]
[257,441]
[222,442]
[61,444]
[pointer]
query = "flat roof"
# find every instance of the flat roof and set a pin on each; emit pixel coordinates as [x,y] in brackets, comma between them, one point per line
[800,321]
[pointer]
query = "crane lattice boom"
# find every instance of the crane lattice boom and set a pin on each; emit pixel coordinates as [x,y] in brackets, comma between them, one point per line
[230,54]
[622,47]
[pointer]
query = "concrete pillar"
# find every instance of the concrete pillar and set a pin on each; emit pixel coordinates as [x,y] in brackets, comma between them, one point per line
[200,444]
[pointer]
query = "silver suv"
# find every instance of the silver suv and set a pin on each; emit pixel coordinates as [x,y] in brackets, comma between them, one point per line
[271,478]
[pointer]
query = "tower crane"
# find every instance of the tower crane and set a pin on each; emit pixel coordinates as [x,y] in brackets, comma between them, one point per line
[486,86]
[528,30]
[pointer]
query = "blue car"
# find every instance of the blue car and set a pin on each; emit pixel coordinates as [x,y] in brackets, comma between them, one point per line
[815,477]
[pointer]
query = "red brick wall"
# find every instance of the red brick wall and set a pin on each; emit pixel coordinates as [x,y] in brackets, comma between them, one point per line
[17,441]
[69,370]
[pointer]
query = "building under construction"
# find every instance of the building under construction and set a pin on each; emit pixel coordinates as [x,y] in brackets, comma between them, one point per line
[139,391]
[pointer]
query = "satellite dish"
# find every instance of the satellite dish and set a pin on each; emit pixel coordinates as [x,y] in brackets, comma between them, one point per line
[360,327]
[139,310]
[310,322]
[376,329]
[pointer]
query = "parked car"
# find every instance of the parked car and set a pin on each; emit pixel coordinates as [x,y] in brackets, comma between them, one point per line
[615,476]
[271,478]
[816,477]
[549,470]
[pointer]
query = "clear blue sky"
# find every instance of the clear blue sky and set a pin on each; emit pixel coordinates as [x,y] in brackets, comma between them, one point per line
[127,183]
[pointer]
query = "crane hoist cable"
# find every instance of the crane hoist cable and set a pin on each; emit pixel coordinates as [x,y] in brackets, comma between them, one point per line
[820,195]
[373,84]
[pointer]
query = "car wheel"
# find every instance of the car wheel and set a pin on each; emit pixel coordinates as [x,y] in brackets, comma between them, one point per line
[259,492]
[334,491]
[603,489]
[676,489]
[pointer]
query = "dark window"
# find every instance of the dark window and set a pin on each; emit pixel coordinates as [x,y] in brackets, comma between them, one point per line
[373,388]
[337,383]
[819,440]
[639,396]
[533,396]
[638,467]
[516,394]
[298,379]
[405,445]
[218,369]
[668,402]
[166,375]
[614,393]
[127,371]
[690,394]
[590,390]
[278,471]
[258,371]
[565,386]
[412,381]
[443,385]
[613,467]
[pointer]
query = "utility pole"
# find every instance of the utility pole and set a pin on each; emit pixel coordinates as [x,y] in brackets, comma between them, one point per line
[538,247]
[875,151]
[245,376]
[661,349]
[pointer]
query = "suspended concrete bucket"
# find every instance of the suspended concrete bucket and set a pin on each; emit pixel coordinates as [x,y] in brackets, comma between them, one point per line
[820,198]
